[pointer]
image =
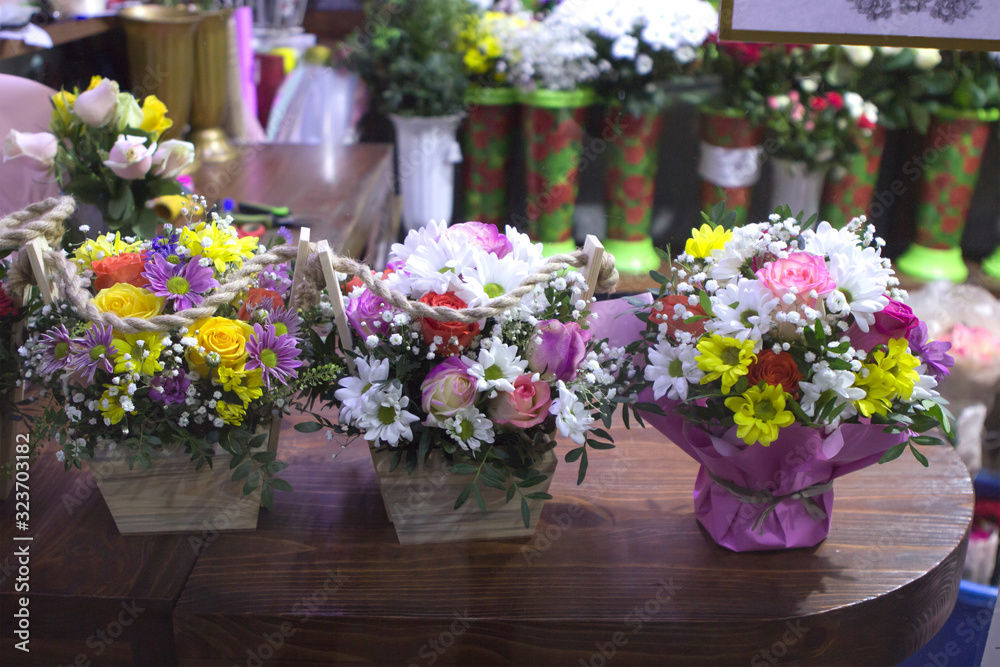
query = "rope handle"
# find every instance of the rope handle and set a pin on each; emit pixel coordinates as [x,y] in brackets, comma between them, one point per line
[37,225]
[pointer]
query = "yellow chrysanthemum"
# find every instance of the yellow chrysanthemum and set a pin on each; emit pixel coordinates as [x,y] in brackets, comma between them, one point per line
[475,61]
[219,243]
[248,385]
[144,357]
[101,247]
[726,358]
[62,107]
[706,239]
[760,413]
[95,81]
[891,373]
[110,406]
[230,413]
[154,117]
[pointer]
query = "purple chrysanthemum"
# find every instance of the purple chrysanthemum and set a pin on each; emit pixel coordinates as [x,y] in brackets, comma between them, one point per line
[285,321]
[171,390]
[286,234]
[93,352]
[275,278]
[933,353]
[56,354]
[276,356]
[183,283]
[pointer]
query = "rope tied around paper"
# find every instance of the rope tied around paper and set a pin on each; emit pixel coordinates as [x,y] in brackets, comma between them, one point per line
[47,218]
[770,501]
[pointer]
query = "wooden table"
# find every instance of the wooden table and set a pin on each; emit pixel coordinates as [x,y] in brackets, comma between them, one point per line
[62,31]
[345,194]
[618,567]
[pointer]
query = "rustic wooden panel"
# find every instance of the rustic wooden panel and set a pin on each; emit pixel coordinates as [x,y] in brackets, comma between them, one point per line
[617,565]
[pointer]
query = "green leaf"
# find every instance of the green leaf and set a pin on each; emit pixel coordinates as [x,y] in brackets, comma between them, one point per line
[583,468]
[280,484]
[893,453]
[511,490]
[919,456]
[308,427]
[464,469]
[242,472]
[394,461]
[525,512]
[927,440]
[597,444]
[152,439]
[253,481]
[573,454]
[479,498]
[464,495]
[534,480]
[266,497]
[539,495]
[264,457]
[658,277]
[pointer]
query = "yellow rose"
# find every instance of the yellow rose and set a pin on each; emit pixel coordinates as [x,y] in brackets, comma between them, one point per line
[62,103]
[225,337]
[154,116]
[127,300]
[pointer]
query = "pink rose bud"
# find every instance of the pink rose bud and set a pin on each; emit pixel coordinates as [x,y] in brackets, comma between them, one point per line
[800,273]
[560,352]
[172,157]
[526,406]
[96,107]
[130,158]
[482,235]
[40,146]
[447,388]
[894,321]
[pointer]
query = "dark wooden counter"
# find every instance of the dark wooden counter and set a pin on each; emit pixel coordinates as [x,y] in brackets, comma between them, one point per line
[617,567]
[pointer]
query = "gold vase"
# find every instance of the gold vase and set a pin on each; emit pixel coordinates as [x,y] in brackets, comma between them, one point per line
[211,69]
[161,58]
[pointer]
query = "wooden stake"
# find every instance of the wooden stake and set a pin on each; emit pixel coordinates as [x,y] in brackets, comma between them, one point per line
[336,300]
[300,266]
[594,250]
[36,249]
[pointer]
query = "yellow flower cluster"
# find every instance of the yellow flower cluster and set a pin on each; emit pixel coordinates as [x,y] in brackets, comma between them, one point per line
[760,413]
[219,242]
[224,343]
[725,358]
[891,374]
[706,239]
[101,247]
[480,44]
[151,118]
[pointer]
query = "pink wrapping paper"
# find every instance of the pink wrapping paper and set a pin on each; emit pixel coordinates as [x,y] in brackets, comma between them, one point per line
[801,457]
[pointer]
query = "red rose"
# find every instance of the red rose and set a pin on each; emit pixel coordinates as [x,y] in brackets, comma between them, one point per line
[355,282]
[464,332]
[7,307]
[894,321]
[836,100]
[818,104]
[120,269]
[666,316]
[775,369]
[255,296]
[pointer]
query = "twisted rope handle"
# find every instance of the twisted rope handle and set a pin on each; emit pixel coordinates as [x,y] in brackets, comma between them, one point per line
[45,219]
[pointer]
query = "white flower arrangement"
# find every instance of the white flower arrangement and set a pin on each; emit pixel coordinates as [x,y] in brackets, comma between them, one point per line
[552,54]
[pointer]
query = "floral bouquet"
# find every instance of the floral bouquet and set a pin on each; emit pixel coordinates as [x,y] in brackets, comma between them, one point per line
[641,44]
[178,343]
[104,149]
[486,354]
[484,42]
[784,358]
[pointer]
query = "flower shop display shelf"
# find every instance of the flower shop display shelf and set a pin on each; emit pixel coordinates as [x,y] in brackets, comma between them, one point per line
[618,564]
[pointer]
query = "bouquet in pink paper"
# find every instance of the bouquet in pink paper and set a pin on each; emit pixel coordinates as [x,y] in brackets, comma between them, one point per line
[782,357]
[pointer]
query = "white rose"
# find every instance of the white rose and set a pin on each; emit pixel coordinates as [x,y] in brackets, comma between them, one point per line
[40,146]
[890,51]
[96,107]
[859,55]
[808,85]
[927,58]
[172,157]
[130,158]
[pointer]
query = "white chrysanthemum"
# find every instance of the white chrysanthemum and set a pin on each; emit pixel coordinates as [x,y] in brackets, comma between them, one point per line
[353,389]
[743,310]
[435,266]
[384,417]
[729,259]
[825,378]
[497,366]
[490,277]
[416,238]
[671,369]
[827,240]
[861,281]
[572,418]
[924,388]
[523,248]
[470,428]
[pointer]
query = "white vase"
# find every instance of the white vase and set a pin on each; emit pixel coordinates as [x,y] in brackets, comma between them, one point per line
[795,185]
[428,152]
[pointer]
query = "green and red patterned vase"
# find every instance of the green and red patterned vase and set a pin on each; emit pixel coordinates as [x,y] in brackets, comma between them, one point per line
[957,140]
[491,118]
[730,159]
[553,125]
[849,189]
[629,183]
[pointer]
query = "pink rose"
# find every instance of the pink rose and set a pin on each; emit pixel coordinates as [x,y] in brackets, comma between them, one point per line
[130,158]
[482,235]
[364,312]
[894,321]
[800,273]
[447,388]
[561,350]
[526,406]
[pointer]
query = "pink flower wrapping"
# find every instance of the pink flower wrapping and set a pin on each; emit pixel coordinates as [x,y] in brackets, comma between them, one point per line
[800,458]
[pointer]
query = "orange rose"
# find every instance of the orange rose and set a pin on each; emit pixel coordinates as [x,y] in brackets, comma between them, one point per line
[775,369]
[116,269]
[667,316]
[464,332]
[254,299]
